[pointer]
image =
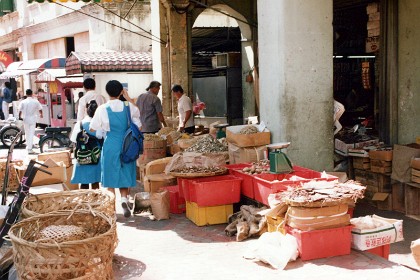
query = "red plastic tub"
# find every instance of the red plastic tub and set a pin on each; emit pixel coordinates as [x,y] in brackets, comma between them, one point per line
[176,202]
[317,244]
[382,251]
[264,186]
[215,190]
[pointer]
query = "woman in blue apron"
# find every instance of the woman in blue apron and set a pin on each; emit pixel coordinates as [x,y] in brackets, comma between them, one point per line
[111,117]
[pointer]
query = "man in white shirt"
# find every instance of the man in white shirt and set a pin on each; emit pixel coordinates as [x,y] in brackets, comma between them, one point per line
[186,119]
[29,109]
[89,85]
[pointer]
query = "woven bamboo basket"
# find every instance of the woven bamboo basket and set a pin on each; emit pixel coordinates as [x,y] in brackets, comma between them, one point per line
[98,200]
[42,254]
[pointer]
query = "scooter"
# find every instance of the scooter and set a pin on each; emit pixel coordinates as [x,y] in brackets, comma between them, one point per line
[10,129]
[55,139]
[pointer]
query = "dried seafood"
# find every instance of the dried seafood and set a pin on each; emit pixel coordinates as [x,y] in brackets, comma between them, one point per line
[261,166]
[207,144]
[249,129]
[199,169]
[323,193]
[165,130]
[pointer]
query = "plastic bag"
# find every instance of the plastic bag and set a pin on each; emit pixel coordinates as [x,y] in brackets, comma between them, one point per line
[275,249]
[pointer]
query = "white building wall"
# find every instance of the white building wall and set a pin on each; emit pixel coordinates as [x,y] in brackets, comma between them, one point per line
[296,77]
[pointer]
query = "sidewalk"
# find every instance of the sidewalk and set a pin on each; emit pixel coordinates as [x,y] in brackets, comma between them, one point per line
[178,249]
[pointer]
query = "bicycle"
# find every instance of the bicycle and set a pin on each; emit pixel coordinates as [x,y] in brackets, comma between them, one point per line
[5,188]
[23,190]
[55,139]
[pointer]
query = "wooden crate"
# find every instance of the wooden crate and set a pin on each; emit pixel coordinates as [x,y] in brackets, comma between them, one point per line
[398,196]
[380,181]
[412,199]
[381,166]
[415,175]
[360,176]
[383,201]
[362,163]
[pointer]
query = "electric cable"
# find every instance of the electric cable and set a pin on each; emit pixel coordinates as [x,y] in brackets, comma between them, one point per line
[160,41]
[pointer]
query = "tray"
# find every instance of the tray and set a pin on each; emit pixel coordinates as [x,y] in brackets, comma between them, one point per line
[222,171]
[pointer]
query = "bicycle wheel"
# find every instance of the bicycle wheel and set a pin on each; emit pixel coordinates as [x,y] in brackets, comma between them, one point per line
[8,134]
[50,144]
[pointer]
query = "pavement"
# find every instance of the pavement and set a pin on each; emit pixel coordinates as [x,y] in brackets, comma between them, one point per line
[178,249]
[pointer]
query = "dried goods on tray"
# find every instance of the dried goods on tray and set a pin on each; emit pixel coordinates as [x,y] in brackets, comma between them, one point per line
[261,166]
[249,129]
[190,164]
[322,193]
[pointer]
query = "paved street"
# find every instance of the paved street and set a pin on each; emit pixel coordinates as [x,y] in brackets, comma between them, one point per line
[178,249]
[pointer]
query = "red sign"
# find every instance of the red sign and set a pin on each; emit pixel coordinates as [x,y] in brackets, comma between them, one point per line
[5,58]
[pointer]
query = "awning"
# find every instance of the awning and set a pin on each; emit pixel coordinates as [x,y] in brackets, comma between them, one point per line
[114,61]
[19,68]
[86,1]
[51,75]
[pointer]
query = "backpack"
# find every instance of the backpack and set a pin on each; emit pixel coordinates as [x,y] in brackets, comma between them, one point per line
[132,145]
[88,148]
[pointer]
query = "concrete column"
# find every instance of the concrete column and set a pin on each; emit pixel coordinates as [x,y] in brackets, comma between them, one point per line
[408,71]
[248,96]
[178,56]
[295,41]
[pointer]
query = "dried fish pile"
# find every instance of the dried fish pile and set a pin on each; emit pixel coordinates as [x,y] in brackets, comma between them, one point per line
[249,129]
[199,169]
[261,166]
[165,131]
[152,137]
[322,193]
[207,144]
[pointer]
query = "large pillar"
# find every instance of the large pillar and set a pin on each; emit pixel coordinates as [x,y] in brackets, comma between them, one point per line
[295,41]
[408,71]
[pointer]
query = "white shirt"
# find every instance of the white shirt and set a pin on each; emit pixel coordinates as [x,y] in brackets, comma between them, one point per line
[84,100]
[76,129]
[30,110]
[184,105]
[100,120]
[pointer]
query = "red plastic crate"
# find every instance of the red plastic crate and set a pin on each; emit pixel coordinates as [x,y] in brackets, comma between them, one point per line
[264,186]
[350,211]
[382,251]
[177,203]
[215,190]
[317,244]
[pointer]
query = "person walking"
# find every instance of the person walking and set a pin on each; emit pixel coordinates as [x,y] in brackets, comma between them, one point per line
[7,99]
[29,110]
[89,85]
[111,117]
[150,108]
[85,174]
[185,110]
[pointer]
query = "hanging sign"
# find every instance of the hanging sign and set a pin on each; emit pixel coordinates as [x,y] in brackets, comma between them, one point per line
[5,59]
[366,75]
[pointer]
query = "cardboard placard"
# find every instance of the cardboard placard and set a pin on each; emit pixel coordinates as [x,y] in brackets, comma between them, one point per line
[401,161]
[240,155]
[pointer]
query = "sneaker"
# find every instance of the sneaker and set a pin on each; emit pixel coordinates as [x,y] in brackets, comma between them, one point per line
[126,209]
[31,152]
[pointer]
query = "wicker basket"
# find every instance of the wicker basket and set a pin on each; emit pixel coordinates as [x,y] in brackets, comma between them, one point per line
[98,200]
[87,258]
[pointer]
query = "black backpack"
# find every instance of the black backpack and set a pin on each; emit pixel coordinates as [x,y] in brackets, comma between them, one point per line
[88,148]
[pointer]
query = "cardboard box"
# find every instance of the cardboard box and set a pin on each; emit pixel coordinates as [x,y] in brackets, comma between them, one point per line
[376,16]
[240,155]
[365,239]
[401,158]
[247,140]
[69,174]
[374,32]
[372,44]
[58,174]
[383,201]
[381,155]
[64,156]
[152,183]
[341,147]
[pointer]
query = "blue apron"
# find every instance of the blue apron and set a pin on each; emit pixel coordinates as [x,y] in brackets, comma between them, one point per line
[116,174]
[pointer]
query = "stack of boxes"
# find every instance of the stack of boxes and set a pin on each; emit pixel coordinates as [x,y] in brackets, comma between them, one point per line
[152,150]
[373,27]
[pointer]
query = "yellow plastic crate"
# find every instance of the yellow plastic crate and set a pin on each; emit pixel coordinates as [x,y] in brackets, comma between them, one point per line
[211,215]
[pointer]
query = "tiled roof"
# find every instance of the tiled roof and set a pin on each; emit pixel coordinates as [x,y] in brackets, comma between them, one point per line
[81,62]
